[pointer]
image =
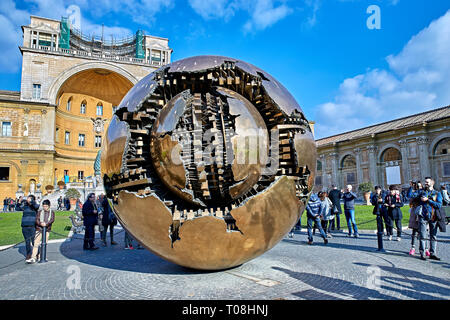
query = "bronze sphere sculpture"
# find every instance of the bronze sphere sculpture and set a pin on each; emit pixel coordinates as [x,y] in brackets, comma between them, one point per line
[208,162]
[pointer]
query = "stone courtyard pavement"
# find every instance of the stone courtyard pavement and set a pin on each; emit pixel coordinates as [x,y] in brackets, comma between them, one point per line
[346,268]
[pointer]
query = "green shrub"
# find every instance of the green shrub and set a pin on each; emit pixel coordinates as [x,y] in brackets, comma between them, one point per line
[73,193]
[365,187]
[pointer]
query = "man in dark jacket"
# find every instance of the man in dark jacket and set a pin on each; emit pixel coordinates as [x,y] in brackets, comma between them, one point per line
[393,202]
[335,196]
[379,210]
[432,212]
[108,219]
[29,208]
[312,211]
[90,219]
[349,210]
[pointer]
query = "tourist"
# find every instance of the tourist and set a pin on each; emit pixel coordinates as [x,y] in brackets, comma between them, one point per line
[325,213]
[128,241]
[90,219]
[393,203]
[379,210]
[445,197]
[414,212]
[12,204]
[60,203]
[108,219]
[335,196]
[431,201]
[414,189]
[5,205]
[18,202]
[29,208]
[44,218]
[67,203]
[313,215]
[349,210]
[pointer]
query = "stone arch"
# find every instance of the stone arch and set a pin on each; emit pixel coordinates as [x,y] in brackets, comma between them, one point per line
[67,74]
[436,141]
[386,147]
[341,159]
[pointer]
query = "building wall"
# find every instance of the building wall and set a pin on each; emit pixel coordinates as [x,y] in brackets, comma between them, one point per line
[72,157]
[415,144]
[32,152]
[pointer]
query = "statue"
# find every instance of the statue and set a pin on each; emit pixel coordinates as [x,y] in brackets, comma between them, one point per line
[208,162]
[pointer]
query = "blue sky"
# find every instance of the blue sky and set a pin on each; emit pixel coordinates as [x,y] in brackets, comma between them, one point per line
[344,75]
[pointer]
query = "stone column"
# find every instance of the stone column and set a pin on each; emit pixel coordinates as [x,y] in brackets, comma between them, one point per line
[359,173]
[323,160]
[373,174]
[424,162]
[335,169]
[406,169]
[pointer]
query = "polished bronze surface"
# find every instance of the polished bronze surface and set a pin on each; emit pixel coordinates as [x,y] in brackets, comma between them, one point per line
[209,162]
[204,241]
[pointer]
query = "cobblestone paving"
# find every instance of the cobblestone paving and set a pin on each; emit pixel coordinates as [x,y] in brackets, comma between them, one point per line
[346,268]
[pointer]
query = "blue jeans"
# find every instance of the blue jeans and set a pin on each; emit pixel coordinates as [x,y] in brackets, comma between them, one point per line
[350,216]
[309,225]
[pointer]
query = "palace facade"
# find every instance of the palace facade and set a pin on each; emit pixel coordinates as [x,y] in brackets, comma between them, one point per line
[394,152]
[71,83]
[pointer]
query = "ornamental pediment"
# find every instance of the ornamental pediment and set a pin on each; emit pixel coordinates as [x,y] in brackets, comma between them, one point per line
[45,28]
[157,46]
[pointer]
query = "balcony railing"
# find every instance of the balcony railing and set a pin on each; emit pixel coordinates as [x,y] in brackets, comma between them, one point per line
[101,56]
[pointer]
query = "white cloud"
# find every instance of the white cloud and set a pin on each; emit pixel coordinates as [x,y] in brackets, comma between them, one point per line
[416,80]
[263,13]
[11,19]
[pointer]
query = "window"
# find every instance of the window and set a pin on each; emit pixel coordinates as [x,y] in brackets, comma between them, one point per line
[6,129]
[98,141]
[45,39]
[69,103]
[80,175]
[67,137]
[156,55]
[351,178]
[318,181]
[57,135]
[81,138]
[99,109]
[83,107]
[446,169]
[36,91]
[4,173]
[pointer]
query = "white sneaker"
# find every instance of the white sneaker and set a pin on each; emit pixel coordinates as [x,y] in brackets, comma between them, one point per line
[31,261]
[390,238]
[398,239]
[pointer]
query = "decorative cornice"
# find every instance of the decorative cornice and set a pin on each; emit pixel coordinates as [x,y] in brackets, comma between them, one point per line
[372,148]
[422,140]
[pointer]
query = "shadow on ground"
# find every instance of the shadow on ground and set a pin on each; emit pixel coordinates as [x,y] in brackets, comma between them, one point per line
[116,257]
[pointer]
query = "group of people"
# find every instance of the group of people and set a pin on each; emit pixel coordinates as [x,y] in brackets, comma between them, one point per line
[324,209]
[11,205]
[63,203]
[33,220]
[426,214]
[95,211]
